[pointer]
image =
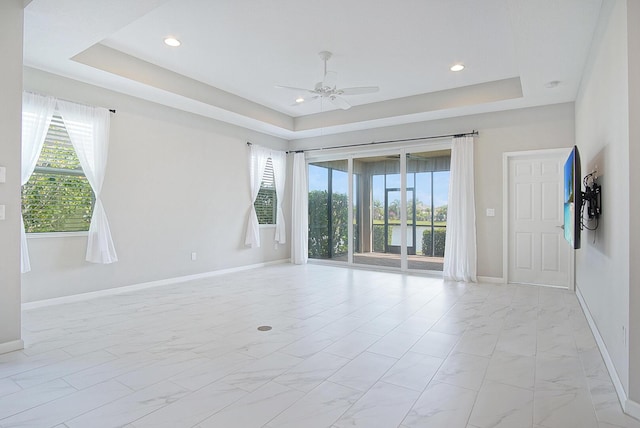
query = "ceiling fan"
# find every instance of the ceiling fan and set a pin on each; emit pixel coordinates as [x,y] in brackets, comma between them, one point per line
[327,88]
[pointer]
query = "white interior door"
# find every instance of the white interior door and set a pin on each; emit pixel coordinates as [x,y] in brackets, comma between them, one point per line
[537,251]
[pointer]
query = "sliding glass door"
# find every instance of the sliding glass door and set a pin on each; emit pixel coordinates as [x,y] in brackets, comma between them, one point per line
[429,171]
[378,202]
[328,210]
[393,215]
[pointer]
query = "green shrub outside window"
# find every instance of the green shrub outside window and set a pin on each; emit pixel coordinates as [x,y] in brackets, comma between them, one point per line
[58,196]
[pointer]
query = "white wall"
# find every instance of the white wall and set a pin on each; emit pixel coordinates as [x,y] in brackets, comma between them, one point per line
[176,183]
[11,20]
[633,52]
[151,178]
[515,130]
[602,136]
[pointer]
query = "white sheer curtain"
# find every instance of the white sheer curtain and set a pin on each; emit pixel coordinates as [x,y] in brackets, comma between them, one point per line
[258,157]
[37,111]
[88,129]
[279,162]
[300,211]
[460,255]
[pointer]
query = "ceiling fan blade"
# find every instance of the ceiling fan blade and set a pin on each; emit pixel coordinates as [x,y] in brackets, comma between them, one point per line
[340,102]
[330,79]
[359,90]
[301,90]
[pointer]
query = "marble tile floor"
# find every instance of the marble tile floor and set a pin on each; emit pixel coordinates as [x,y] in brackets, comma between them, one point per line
[348,348]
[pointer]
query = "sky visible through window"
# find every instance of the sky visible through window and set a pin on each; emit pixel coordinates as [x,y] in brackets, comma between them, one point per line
[318,181]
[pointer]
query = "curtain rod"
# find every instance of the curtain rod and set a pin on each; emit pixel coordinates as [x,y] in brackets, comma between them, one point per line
[371,143]
[112,110]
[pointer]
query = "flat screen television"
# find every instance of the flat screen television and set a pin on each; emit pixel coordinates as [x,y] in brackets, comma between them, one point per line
[572,199]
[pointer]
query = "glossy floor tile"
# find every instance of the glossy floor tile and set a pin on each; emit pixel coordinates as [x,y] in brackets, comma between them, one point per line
[348,348]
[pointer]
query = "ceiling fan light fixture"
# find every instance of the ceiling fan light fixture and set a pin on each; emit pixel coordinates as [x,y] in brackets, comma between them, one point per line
[457,67]
[172,41]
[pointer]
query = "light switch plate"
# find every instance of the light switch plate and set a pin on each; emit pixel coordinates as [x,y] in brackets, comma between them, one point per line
[2,212]
[491,212]
[3,174]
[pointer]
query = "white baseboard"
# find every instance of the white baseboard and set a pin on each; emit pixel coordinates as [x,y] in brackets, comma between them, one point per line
[630,407]
[142,286]
[490,279]
[14,345]
[375,268]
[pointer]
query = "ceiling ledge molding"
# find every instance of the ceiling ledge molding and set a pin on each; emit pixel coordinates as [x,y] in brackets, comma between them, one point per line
[482,93]
[113,61]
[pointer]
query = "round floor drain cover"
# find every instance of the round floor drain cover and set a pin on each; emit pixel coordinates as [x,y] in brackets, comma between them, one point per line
[264,328]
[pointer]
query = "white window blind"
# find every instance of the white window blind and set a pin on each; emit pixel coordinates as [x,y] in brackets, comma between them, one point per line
[58,196]
[265,203]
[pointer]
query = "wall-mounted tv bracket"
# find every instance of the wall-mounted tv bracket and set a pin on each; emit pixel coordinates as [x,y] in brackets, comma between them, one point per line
[591,199]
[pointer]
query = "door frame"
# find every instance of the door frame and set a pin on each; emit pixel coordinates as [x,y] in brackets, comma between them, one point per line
[397,249]
[506,158]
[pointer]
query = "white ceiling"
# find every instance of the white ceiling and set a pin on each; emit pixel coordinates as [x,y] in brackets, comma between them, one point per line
[234,52]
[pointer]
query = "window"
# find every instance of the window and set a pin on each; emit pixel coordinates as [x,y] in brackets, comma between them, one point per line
[58,196]
[265,203]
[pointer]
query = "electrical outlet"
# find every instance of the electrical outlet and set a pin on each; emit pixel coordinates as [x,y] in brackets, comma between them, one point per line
[194,256]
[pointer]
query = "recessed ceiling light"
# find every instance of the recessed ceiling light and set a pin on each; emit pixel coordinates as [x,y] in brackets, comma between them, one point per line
[172,41]
[299,100]
[457,67]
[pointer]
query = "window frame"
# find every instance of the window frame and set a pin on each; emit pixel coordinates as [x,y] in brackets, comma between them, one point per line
[58,138]
[269,177]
